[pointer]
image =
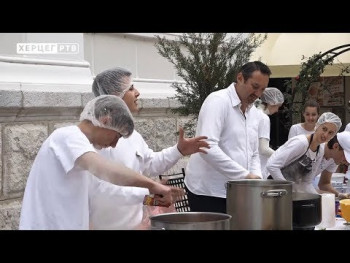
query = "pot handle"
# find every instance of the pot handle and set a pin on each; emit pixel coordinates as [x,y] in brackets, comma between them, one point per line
[157,228]
[274,193]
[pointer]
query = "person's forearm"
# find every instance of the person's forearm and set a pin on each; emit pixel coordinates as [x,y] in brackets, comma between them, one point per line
[121,175]
[157,163]
[104,193]
[328,188]
[112,172]
[275,172]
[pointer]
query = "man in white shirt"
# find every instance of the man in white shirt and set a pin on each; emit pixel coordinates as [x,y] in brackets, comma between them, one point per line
[226,117]
[56,194]
[333,156]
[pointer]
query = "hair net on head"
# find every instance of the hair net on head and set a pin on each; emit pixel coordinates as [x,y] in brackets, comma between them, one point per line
[330,118]
[110,108]
[115,81]
[272,96]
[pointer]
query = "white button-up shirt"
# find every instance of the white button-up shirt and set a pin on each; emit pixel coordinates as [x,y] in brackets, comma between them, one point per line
[233,153]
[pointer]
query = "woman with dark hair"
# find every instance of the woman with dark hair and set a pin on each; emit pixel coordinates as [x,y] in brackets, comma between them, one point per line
[311,112]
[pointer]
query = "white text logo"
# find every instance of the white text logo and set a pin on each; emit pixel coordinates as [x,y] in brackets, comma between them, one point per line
[47,48]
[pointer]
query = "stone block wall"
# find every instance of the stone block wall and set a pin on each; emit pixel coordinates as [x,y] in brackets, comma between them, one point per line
[25,125]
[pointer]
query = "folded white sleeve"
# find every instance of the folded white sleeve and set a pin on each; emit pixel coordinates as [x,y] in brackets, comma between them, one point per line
[264,147]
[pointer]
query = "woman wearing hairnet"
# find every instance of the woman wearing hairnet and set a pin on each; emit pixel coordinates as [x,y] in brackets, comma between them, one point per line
[297,159]
[56,193]
[270,102]
[134,153]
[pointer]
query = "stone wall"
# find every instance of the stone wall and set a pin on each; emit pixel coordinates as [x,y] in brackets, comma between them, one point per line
[25,125]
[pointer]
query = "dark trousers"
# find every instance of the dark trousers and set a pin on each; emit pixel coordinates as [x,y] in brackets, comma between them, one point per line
[204,203]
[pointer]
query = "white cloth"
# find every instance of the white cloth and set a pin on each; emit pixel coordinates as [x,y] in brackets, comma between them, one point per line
[297,129]
[56,194]
[114,207]
[264,150]
[325,164]
[289,152]
[233,153]
[347,127]
[261,130]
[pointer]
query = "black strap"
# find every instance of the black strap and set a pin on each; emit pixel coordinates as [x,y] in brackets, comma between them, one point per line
[318,147]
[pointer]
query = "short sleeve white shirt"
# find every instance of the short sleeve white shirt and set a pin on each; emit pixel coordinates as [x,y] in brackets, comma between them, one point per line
[56,193]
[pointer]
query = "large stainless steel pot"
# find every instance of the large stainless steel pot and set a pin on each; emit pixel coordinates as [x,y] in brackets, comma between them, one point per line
[259,204]
[191,221]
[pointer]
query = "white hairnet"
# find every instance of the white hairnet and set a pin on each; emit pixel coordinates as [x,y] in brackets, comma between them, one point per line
[110,112]
[330,118]
[272,96]
[115,81]
[344,141]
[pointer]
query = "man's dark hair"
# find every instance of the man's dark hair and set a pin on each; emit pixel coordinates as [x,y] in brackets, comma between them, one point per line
[332,141]
[248,69]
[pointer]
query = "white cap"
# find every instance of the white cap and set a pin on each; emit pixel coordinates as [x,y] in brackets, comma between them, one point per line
[330,118]
[347,128]
[344,141]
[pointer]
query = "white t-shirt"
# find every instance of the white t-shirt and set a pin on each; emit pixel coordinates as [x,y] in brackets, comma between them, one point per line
[56,194]
[117,207]
[298,129]
[233,153]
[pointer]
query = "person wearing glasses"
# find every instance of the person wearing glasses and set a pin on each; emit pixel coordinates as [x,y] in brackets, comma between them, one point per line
[134,153]
[57,189]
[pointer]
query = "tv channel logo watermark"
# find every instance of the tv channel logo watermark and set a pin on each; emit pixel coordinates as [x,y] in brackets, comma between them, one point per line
[47,48]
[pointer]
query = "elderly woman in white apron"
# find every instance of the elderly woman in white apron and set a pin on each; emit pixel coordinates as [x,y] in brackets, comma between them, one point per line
[297,159]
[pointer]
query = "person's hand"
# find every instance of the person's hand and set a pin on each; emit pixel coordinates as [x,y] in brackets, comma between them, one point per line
[177,193]
[187,146]
[343,196]
[166,195]
[252,176]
